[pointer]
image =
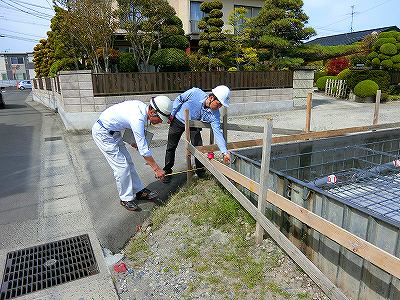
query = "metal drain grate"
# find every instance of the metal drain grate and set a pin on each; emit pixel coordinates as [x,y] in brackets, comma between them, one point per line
[40,267]
[53,138]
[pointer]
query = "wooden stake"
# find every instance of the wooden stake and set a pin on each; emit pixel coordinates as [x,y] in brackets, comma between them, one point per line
[264,173]
[225,123]
[376,111]
[308,112]
[189,175]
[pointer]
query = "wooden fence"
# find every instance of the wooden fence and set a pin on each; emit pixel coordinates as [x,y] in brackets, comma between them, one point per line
[336,88]
[171,82]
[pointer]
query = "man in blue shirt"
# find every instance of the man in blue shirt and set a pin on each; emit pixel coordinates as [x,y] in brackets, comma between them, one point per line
[202,107]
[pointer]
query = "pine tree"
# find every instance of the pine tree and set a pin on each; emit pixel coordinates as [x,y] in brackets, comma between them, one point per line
[278,29]
[212,39]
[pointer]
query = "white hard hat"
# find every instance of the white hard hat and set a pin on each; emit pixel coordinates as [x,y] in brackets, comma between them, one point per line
[222,92]
[163,106]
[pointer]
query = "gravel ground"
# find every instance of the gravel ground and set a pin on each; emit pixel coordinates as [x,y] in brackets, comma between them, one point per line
[160,271]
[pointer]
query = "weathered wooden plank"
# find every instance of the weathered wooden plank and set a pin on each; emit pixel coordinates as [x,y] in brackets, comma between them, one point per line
[302,136]
[264,174]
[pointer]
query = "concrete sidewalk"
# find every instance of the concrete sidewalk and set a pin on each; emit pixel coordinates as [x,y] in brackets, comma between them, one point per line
[62,213]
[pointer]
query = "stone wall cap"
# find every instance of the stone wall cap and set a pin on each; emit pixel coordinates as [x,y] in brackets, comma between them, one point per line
[75,72]
[307,68]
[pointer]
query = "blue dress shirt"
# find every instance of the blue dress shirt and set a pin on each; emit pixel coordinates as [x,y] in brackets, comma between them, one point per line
[194,99]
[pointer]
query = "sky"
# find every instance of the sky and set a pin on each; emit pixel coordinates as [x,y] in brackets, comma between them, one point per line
[24,23]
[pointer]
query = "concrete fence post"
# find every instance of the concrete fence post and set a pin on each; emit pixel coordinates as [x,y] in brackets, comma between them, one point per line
[303,81]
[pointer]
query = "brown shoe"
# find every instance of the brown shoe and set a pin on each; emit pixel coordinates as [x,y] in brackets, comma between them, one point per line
[130,205]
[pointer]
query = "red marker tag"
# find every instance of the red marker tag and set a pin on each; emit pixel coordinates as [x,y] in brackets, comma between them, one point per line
[120,268]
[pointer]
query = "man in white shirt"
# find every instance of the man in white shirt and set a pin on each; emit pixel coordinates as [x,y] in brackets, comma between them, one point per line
[106,134]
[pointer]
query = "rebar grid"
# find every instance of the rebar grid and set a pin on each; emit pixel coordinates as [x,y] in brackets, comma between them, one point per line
[366,175]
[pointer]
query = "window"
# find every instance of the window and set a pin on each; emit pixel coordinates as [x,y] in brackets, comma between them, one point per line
[17,60]
[250,13]
[195,16]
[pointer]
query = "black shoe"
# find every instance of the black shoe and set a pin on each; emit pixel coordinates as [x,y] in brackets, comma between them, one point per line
[201,174]
[145,194]
[167,179]
[130,205]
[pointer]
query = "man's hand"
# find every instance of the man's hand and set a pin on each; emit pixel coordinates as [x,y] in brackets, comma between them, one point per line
[170,118]
[159,173]
[227,157]
[134,146]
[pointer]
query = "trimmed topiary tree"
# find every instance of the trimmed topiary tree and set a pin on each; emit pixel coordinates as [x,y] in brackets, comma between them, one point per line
[384,49]
[366,88]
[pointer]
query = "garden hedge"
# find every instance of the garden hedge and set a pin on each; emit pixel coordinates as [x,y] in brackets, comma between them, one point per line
[321,82]
[366,88]
[381,77]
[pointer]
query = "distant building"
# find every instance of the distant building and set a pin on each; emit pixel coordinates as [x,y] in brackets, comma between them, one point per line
[16,66]
[348,38]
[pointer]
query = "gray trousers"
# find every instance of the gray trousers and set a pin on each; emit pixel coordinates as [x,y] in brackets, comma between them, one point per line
[119,159]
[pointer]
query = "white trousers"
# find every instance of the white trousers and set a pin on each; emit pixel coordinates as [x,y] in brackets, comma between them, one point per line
[118,157]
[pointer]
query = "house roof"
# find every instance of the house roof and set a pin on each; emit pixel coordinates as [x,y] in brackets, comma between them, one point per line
[348,38]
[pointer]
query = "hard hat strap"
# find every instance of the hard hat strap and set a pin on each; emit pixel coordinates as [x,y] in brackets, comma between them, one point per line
[153,103]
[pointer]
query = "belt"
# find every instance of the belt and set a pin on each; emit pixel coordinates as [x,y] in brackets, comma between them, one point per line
[111,132]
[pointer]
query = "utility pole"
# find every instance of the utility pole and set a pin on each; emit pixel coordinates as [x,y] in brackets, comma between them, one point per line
[352,18]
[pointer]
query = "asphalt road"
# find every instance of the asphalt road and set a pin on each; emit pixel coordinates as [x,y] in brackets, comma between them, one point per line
[20,130]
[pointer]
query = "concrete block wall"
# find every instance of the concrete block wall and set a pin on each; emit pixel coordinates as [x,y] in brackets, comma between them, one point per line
[303,80]
[79,108]
[46,97]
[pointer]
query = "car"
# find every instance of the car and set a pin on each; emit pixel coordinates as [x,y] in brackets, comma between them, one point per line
[24,84]
[2,103]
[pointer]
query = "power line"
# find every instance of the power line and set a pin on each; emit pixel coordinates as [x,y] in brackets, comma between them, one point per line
[37,36]
[41,16]
[361,12]
[19,38]
[36,5]
[30,9]
[23,22]
[352,18]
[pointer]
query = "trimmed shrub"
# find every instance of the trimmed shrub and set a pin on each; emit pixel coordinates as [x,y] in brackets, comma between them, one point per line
[372,55]
[344,74]
[217,22]
[202,25]
[232,69]
[126,63]
[388,34]
[170,59]
[379,42]
[376,62]
[319,74]
[396,66]
[387,64]
[214,29]
[321,82]
[217,45]
[216,13]
[398,47]
[216,36]
[175,41]
[204,43]
[382,56]
[388,49]
[396,58]
[381,77]
[366,88]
